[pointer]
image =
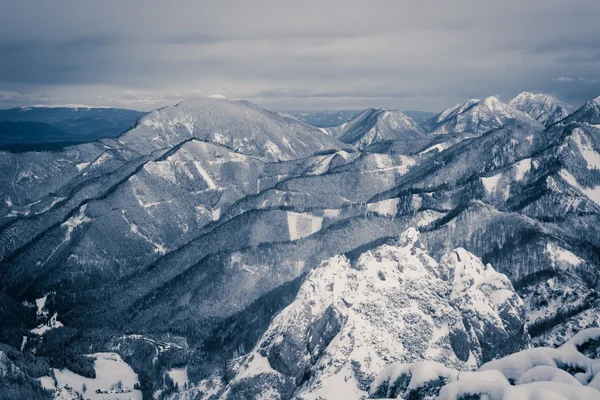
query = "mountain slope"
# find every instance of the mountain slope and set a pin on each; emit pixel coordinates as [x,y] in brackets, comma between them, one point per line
[377,125]
[588,114]
[527,201]
[476,117]
[543,108]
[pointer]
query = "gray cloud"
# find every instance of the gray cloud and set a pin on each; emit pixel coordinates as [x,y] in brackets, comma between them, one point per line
[298,55]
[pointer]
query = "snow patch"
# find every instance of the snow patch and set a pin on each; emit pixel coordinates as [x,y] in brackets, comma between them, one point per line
[592,193]
[179,376]
[491,183]
[521,168]
[331,213]
[558,255]
[110,369]
[47,383]
[302,225]
[591,156]
[81,166]
[386,208]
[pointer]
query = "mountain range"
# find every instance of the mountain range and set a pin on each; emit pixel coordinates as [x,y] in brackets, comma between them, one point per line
[220,250]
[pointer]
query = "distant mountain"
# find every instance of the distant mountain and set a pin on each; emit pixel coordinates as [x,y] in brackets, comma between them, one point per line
[545,109]
[420,117]
[377,125]
[19,134]
[323,118]
[75,124]
[588,114]
[476,116]
[238,125]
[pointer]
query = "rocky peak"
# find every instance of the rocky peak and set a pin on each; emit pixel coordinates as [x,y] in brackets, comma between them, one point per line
[394,304]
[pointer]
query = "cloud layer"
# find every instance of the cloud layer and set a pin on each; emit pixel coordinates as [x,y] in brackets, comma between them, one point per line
[299,54]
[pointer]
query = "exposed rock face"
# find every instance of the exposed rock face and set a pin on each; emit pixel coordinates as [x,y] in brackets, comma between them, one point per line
[394,304]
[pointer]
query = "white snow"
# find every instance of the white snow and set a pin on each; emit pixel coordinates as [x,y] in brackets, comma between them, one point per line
[591,156]
[592,193]
[521,168]
[426,217]
[559,256]
[302,224]
[216,96]
[215,214]
[387,208]
[544,373]
[110,369]
[47,382]
[179,377]
[41,305]
[491,183]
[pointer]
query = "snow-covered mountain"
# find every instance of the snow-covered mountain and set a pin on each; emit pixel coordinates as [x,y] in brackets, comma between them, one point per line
[238,125]
[476,117]
[377,125]
[393,304]
[541,107]
[190,243]
[323,118]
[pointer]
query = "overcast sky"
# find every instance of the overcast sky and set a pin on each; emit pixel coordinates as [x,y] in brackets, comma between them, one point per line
[297,55]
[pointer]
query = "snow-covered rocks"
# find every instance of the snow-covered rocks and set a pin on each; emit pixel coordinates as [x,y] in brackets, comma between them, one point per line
[561,373]
[393,304]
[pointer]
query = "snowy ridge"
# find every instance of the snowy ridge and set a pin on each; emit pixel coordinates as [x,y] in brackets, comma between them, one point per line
[377,125]
[237,125]
[395,304]
[541,107]
[476,116]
